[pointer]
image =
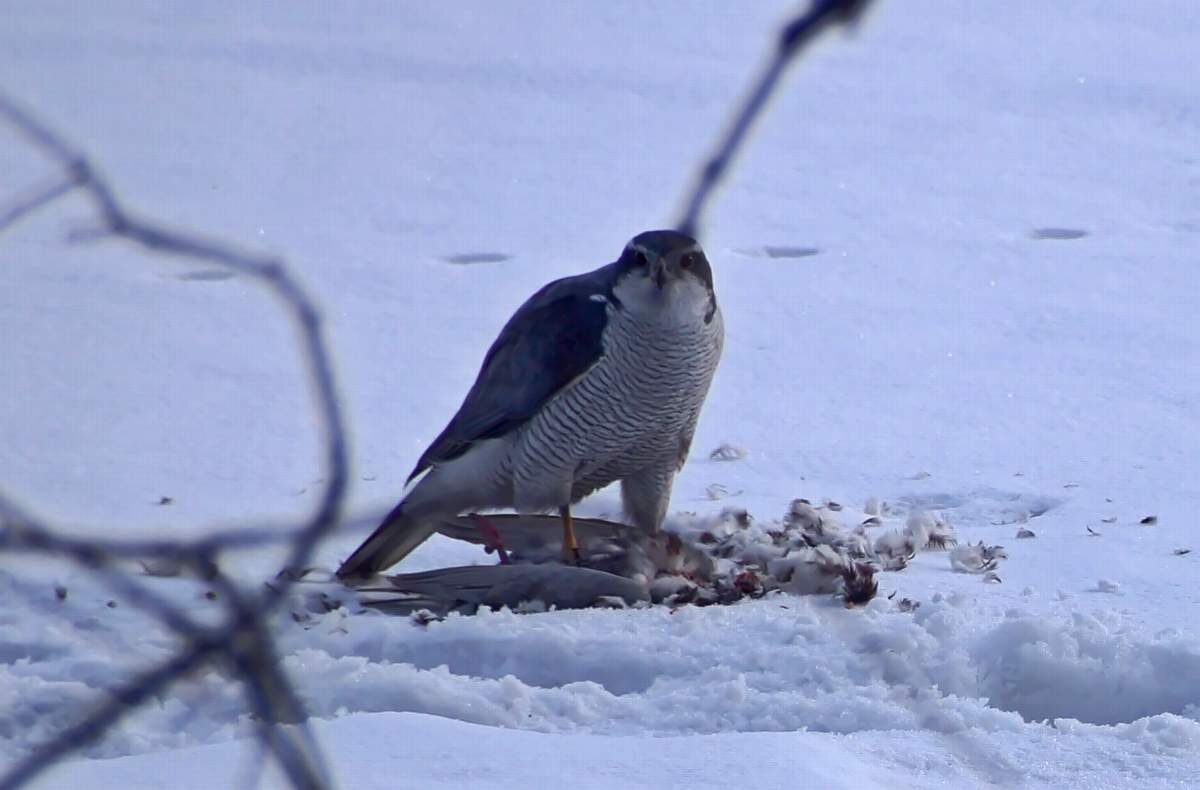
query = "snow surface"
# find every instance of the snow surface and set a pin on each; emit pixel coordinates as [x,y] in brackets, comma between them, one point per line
[957,268]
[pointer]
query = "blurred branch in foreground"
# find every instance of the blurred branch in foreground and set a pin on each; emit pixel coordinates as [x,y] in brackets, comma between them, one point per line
[793,39]
[242,641]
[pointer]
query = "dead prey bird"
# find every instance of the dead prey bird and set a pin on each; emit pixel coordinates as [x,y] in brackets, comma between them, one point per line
[603,545]
[596,378]
[466,588]
[716,561]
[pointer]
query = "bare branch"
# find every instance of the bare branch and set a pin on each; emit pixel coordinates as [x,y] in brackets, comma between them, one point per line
[34,200]
[245,638]
[794,37]
[24,530]
[122,701]
[269,270]
[21,531]
[242,640]
[269,693]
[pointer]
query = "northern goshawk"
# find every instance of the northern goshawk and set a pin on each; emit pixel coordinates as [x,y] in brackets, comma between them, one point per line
[596,378]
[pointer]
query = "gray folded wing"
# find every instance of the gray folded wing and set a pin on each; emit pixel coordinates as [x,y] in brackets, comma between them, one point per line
[552,339]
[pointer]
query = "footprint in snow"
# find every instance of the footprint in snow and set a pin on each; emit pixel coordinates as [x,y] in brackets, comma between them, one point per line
[980,506]
[1056,234]
[469,258]
[778,251]
[204,276]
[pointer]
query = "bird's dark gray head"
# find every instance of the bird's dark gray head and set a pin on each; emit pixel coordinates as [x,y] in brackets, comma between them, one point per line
[665,256]
[664,275]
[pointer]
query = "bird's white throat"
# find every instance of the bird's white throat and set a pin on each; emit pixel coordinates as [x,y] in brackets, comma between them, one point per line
[681,301]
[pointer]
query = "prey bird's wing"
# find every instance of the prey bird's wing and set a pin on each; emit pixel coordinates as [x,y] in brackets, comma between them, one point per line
[466,588]
[552,339]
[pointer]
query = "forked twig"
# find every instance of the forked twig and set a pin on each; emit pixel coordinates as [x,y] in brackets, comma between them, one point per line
[243,639]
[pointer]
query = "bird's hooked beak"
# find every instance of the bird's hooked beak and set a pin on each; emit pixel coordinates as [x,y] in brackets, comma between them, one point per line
[658,272]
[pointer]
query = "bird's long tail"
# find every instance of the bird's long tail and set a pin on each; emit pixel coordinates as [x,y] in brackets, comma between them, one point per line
[398,534]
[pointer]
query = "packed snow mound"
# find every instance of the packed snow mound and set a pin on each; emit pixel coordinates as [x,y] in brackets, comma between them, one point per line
[376,750]
[942,663]
[1086,667]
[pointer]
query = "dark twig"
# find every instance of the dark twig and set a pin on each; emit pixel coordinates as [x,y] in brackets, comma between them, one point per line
[122,702]
[794,37]
[254,766]
[35,199]
[269,692]
[119,222]
[242,640]
[23,529]
[14,538]
[17,536]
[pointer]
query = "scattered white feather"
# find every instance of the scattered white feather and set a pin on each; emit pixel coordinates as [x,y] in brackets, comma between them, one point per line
[802,516]
[894,550]
[917,528]
[809,571]
[728,452]
[930,531]
[976,558]
[716,491]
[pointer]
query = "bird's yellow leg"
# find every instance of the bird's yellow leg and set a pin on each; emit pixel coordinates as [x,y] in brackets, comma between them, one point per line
[570,546]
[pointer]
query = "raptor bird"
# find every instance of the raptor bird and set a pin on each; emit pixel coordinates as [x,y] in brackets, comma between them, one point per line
[598,377]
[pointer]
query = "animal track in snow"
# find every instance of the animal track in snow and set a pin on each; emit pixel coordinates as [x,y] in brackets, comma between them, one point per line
[1056,234]
[468,258]
[778,251]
